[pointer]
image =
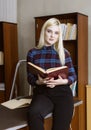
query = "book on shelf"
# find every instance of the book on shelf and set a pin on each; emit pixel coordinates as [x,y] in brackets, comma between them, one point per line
[1,58]
[2,86]
[64,28]
[17,103]
[68,31]
[51,72]
[73,32]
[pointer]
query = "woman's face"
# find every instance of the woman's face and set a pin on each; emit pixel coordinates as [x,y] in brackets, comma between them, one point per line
[51,35]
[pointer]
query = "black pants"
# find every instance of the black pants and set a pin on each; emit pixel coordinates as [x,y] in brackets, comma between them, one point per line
[58,100]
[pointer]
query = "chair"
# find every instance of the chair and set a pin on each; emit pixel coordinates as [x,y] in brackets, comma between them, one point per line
[14,86]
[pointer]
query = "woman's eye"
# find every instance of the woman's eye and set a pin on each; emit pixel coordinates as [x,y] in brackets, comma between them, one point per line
[57,33]
[53,32]
[49,31]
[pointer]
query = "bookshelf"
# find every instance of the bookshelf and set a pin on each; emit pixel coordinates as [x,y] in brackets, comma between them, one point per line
[9,49]
[78,48]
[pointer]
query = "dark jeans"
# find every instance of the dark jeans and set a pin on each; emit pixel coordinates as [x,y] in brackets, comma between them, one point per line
[58,100]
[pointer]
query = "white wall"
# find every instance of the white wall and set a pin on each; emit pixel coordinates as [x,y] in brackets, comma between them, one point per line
[8,11]
[28,9]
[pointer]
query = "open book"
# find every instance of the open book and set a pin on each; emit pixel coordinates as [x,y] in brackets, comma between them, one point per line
[17,103]
[51,72]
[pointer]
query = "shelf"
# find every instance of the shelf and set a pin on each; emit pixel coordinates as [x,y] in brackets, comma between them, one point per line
[8,56]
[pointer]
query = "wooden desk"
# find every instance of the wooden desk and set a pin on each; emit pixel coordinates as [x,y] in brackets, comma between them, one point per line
[17,118]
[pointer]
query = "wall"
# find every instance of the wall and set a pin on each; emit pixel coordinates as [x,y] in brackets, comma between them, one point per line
[8,11]
[28,9]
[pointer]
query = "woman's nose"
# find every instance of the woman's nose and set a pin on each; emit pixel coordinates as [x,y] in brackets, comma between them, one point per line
[52,34]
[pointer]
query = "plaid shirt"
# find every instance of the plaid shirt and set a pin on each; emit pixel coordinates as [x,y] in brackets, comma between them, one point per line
[47,57]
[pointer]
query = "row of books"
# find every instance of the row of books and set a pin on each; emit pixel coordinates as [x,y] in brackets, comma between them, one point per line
[69,31]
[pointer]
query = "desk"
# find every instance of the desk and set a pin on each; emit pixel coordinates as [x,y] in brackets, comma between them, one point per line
[17,118]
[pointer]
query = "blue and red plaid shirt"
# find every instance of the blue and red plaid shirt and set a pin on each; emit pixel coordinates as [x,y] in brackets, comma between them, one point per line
[47,57]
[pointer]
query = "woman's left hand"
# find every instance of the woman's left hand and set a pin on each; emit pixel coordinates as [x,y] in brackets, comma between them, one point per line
[52,82]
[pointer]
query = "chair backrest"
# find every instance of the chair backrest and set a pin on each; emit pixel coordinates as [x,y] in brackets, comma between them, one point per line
[73,88]
[20,86]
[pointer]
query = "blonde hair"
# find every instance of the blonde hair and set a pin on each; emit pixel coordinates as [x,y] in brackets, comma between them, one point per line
[57,46]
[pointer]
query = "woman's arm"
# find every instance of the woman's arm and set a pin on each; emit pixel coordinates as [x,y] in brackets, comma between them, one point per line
[30,77]
[68,62]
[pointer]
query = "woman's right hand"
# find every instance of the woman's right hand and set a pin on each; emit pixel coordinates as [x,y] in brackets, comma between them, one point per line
[41,80]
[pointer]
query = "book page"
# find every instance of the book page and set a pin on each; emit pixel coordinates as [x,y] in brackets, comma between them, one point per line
[37,67]
[55,69]
[14,103]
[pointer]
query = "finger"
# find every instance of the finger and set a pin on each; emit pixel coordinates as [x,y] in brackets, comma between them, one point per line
[51,86]
[59,77]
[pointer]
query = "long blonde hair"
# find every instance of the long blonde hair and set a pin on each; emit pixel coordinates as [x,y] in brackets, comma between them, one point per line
[57,46]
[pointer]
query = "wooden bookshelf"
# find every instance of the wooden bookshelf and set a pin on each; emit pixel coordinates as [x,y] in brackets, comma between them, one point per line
[79,53]
[9,47]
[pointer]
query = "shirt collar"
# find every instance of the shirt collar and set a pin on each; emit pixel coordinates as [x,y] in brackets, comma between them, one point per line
[48,47]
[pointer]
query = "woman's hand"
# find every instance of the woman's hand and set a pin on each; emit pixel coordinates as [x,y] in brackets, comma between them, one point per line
[52,82]
[41,80]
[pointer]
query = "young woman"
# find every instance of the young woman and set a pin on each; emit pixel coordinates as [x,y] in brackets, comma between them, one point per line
[51,94]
